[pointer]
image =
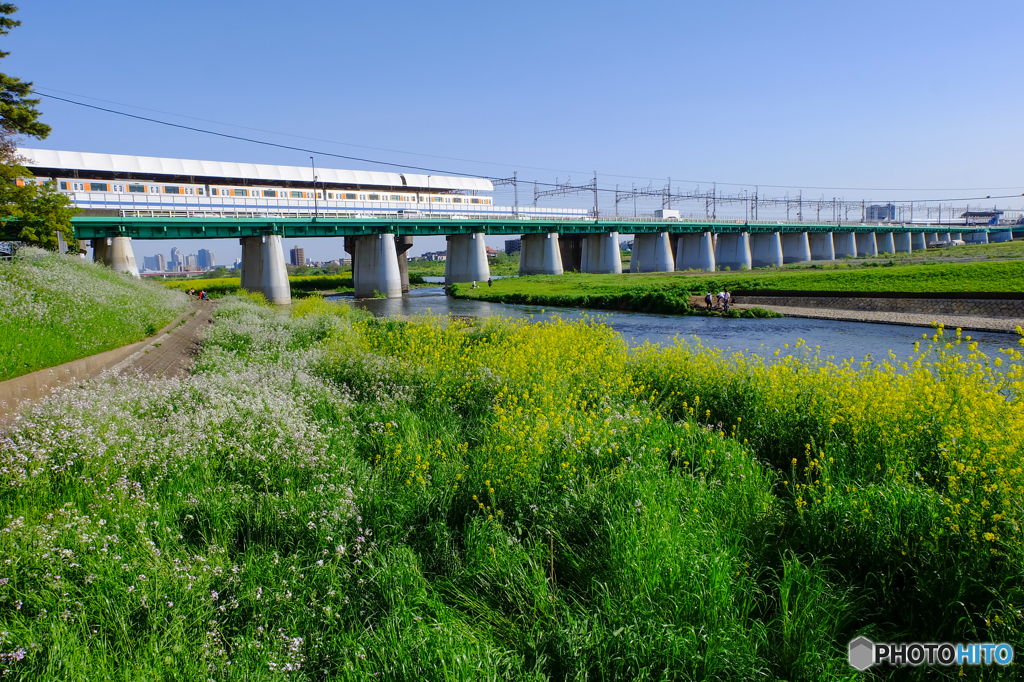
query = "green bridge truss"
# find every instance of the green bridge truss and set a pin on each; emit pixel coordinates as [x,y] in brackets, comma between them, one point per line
[228,228]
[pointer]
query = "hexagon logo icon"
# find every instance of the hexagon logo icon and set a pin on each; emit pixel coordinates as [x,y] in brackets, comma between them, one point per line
[862,653]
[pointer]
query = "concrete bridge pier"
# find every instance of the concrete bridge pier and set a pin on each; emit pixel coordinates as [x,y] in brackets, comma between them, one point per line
[918,241]
[695,252]
[976,237]
[845,244]
[943,236]
[1000,237]
[766,250]
[901,242]
[116,253]
[796,247]
[866,244]
[375,265]
[263,268]
[466,260]
[570,248]
[930,237]
[884,242]
[733,251]
[957,236]
[540,255]
[402,246]
[821,245]
[600,254]
[652,253]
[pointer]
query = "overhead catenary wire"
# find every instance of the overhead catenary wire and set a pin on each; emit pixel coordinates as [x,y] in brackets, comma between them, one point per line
[596,188]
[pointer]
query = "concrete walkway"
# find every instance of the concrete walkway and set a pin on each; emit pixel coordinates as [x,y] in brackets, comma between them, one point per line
[167,354]
[966,322]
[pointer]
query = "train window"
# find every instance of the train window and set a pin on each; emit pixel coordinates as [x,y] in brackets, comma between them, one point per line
[437,199]
[456,200]
[374,197]
[474,201]
[350,196]
[172,189]
[296,195]
[240,192]
[199,191]
[98,187]
[63,185]
[136,188]
[396,197]
[269,193]
[330,195]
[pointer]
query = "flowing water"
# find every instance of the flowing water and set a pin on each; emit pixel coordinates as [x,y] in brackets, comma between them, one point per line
[840,340]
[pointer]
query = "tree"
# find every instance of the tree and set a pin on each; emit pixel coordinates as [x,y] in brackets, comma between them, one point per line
[28,213]
[18,113]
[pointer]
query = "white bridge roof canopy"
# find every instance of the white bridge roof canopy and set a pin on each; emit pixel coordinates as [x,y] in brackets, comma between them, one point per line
[120,163]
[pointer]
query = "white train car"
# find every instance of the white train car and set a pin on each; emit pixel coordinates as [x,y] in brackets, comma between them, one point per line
[154,186]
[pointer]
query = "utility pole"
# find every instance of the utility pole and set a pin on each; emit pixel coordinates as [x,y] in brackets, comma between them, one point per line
[800,207]
[714,188]
[596,215]
[316,207]
[515,186]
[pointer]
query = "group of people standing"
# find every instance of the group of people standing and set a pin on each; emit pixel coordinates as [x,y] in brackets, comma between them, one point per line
[724,300]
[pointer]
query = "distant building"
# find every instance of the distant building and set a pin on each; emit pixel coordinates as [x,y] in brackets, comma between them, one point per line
[205,259]
[237,264]
[880,212]
[491,253]
[513,246]
[176,260]
[626,246]
[298,257]
[191,261]
[155,263]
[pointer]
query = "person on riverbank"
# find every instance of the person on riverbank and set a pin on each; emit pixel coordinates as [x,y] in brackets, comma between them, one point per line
[490,282]
[709,303]
[721,305]
[728,298]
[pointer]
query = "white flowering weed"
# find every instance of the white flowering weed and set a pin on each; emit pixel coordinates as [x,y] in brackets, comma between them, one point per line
[59,308]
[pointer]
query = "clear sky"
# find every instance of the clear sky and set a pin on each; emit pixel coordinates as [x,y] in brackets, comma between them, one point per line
[862,100]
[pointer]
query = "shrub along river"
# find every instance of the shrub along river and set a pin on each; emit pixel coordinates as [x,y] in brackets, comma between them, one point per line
[841,340]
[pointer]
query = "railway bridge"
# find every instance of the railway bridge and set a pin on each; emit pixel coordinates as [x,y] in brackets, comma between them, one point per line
[549,246]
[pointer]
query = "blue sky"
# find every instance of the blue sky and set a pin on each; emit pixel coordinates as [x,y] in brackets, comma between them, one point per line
[865,100]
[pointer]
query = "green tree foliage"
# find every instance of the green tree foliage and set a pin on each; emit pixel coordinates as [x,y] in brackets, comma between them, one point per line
[18,112]
[28,213]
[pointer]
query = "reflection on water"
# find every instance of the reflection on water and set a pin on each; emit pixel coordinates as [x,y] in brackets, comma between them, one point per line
[837,339]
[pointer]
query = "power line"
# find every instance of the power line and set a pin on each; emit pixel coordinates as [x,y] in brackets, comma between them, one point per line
[593,188]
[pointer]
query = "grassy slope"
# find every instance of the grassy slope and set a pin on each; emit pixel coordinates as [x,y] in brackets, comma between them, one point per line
[301,285]
[59,308]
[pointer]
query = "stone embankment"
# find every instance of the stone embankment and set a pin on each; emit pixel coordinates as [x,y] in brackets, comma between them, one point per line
[974,311]
[167,354]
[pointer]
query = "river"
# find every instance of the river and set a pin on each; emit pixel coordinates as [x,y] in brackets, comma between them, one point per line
[841,340]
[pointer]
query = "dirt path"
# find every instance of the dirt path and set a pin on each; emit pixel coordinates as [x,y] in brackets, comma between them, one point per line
[171,353]
[966,322]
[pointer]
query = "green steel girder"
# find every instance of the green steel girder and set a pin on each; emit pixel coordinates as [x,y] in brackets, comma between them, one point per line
[237,228]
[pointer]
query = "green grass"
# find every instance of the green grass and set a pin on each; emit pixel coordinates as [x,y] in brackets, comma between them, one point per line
[670,292]
[302,285]
[60,308]
[343,498]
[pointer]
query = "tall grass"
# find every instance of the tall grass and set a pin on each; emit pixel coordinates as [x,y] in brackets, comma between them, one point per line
[60,308]
[338,497]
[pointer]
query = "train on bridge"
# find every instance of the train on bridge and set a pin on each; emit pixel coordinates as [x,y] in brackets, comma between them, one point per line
[138,186]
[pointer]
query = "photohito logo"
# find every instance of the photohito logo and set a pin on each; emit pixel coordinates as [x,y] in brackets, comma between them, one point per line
[864,653]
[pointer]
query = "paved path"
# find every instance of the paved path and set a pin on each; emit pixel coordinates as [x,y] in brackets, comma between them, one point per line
[965,322]
[171,354]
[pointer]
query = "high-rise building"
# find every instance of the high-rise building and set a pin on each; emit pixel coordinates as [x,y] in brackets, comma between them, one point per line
[176,259]
[298,257]
[161,263]
[191,260]
[151,263]
[513,246]
[205,259]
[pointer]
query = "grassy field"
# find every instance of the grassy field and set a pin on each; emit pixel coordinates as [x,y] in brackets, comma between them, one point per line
[503,265]
[670,292]
[302,285]
[338,497]
[60,308]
